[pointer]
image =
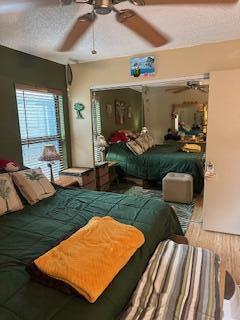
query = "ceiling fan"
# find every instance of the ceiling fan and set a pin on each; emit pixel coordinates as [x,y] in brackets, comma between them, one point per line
[190,85]
[129,18]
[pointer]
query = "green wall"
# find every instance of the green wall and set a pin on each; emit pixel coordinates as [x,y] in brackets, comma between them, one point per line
[21,68]
[131,98]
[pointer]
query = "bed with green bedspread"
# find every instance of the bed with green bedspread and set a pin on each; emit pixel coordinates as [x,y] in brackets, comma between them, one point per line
[155,163]
[26,234]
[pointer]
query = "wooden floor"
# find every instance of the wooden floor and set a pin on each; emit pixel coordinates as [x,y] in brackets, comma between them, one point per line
[225,245]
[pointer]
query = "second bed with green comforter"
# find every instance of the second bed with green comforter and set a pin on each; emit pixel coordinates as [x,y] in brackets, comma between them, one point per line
[27,234]
[155,163]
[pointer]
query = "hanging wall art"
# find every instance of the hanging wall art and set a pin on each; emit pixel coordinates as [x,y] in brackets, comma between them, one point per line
[129,112]
[119,112]
[109,110]
[79,107]
[142,66]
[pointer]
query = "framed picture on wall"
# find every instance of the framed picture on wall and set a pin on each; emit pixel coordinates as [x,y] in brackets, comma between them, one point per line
[142,66]
[109,110]
[119,112]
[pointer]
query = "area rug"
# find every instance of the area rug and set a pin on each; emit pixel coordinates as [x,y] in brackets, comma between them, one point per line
[183,211]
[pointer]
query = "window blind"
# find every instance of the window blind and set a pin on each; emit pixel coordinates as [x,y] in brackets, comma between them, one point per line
[41,122]
[97,127]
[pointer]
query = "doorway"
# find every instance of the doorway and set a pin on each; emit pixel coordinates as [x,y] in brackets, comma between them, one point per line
[160,106]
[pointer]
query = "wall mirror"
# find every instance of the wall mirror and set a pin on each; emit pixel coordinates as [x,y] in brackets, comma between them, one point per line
[190,118]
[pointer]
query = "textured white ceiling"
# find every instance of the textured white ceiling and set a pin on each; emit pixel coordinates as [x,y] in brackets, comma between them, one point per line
[41,30]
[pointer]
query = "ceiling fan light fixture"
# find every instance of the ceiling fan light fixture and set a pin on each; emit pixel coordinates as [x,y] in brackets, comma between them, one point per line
[103,10]
[103,6]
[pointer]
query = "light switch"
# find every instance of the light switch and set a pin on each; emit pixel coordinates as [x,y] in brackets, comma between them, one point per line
[209,169]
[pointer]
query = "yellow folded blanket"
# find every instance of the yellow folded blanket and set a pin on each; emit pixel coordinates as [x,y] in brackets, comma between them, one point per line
[90,258]
[191,147]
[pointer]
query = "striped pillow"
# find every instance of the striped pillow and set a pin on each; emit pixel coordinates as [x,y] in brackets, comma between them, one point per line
[134,147]
[150,140]
[143,143]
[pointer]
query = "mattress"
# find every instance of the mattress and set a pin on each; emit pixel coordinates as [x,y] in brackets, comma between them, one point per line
[155,163]
[27,234]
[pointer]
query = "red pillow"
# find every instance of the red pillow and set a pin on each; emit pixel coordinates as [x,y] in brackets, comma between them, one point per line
[9,165]
[118,136]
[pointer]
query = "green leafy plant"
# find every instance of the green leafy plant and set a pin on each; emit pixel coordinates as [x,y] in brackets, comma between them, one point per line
[4,191]
[35,176]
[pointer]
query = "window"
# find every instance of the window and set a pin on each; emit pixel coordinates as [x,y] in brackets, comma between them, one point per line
[41,122]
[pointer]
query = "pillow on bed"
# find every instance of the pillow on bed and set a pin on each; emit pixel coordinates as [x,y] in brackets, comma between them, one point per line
[9,165]
[33,185]
[9,200]
[143,143]
[145,137]
[118,136]
[150,140]
[134,147]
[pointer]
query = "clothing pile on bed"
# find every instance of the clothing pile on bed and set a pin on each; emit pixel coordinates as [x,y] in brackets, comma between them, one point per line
[191,147]
[123,136]
[87,261]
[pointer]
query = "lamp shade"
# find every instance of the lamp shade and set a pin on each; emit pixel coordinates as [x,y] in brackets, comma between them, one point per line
[144,130]
[101,141]
[49,153]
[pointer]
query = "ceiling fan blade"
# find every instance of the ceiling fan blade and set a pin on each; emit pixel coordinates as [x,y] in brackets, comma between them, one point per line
[140,26]
[177,2]
[78,30]
[181,90]
[19,5]
[200,89]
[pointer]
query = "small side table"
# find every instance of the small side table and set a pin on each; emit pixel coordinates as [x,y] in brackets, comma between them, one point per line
[102,176]
[113,174]
[66,182]
[84,177]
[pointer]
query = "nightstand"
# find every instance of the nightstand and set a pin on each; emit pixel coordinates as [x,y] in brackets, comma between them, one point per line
[65,182]
[102,176]
[85,177]
[113,172]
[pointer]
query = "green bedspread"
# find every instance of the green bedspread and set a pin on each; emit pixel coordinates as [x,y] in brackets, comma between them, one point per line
[157,162]
[26,234]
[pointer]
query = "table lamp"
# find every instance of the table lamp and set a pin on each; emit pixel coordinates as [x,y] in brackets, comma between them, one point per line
[144,130]
[49,155]
[102,144]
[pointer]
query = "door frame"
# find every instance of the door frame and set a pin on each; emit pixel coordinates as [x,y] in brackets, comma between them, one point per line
[151,82]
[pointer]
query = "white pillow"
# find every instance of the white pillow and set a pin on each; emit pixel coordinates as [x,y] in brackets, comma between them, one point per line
[33,185]
[134,147]
[150,140]
[143,143]
[9,200]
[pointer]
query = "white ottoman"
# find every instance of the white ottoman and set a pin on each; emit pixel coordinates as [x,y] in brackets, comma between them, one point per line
[178,187]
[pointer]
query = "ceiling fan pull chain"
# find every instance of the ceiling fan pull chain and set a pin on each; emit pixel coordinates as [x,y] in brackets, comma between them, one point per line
[93,41]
